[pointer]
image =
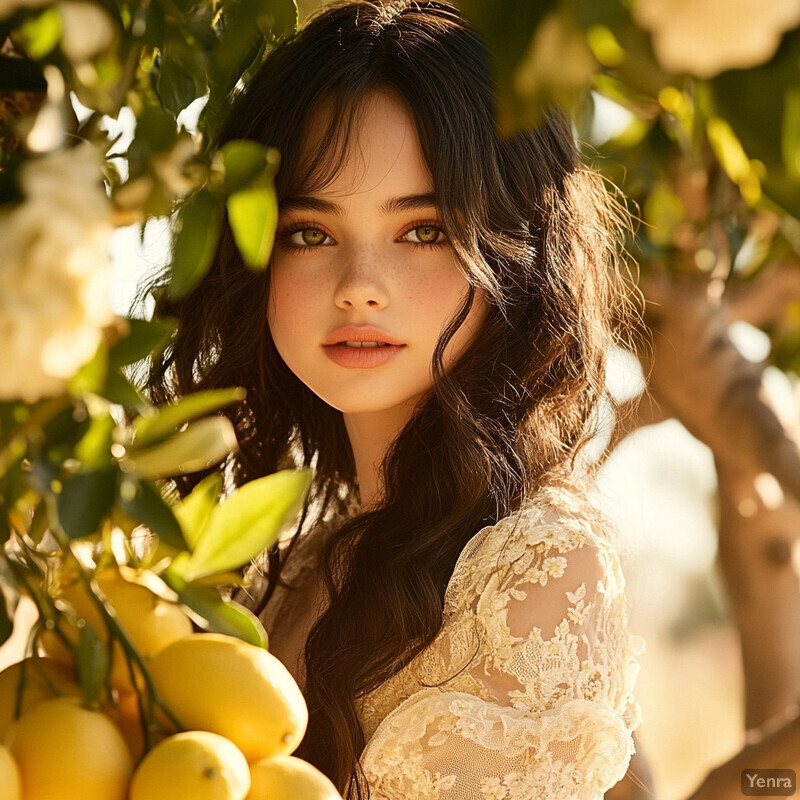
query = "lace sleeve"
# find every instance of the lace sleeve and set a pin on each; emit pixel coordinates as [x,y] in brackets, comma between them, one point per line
[550,709]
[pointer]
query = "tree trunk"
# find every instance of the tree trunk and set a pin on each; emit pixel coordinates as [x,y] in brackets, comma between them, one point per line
[698,377]
[758,528]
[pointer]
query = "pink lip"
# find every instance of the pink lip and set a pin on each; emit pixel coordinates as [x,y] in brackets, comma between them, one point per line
[361,357]
[359,333]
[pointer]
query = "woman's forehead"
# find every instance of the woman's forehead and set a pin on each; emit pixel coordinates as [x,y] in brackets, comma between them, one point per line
[349,146]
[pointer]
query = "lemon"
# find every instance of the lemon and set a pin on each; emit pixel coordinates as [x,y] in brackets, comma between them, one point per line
[289,778]
[39,678]
[195,765]
[221,684]
[150,622]
[66,751]
[9,776]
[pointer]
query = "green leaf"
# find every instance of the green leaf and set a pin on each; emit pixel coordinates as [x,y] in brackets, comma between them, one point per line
[278,18]
[245,161]
[663,213]
[10,420]
[728,149]
[91,376]
[151,428]
[790,135]
[156,130]
[212,613]
[122,392]
[40,522]
[196,239]
[66,428]
[143,502]
[734,160]
[42,33]
[94,449]
[144,337]
[508,44]
[194,511]
[249,521]
[240,40]
[92,664]
[181,76]
[600,12]
[753,102]
[85,501]
[253,215]
[199,446]
[17,484]
[152,15]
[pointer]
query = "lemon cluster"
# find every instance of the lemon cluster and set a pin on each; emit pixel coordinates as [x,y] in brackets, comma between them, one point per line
[239,716]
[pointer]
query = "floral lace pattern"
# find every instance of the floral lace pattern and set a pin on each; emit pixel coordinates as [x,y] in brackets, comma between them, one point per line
[527,691]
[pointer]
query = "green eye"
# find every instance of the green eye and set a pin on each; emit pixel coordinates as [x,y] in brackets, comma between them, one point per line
[312,237]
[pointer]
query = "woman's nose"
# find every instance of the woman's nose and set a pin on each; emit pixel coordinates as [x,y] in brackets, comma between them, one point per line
[360,284]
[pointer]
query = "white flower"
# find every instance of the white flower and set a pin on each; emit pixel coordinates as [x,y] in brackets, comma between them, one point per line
[55,274]
[87,29]
[555,566]
[492,789]
[706,37]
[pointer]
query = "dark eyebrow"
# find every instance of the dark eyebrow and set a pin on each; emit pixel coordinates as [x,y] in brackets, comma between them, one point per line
[392,206]
[309,204]
[408,203]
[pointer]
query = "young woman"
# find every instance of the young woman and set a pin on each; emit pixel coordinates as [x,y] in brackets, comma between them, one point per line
[430,336]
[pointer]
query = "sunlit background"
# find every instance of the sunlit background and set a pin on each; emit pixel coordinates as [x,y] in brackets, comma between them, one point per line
[659,490]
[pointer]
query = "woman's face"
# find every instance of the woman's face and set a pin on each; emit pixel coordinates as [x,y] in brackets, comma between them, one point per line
[364,279]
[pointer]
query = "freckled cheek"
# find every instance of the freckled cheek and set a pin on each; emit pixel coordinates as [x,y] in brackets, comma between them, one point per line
[436,299]
[288,305]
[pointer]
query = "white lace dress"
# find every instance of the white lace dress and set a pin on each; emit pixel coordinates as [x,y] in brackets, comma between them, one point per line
[527,691]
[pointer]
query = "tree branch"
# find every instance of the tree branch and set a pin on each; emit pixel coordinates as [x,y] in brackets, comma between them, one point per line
[764,299]
[699,377]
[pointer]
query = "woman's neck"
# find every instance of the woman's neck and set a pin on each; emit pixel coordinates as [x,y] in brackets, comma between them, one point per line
[370,435]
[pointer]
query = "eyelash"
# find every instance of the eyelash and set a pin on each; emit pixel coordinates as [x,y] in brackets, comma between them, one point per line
[428,223]
[284,235]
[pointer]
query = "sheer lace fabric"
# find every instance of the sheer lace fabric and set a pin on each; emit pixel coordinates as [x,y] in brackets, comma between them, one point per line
[527,692]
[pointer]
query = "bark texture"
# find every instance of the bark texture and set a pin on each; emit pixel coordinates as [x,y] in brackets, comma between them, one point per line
[697,376]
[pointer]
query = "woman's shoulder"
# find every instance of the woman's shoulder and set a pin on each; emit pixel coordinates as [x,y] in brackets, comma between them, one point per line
[561,516]
[552,523]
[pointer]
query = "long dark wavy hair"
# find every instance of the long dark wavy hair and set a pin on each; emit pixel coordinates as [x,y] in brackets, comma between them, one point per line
[529,225]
